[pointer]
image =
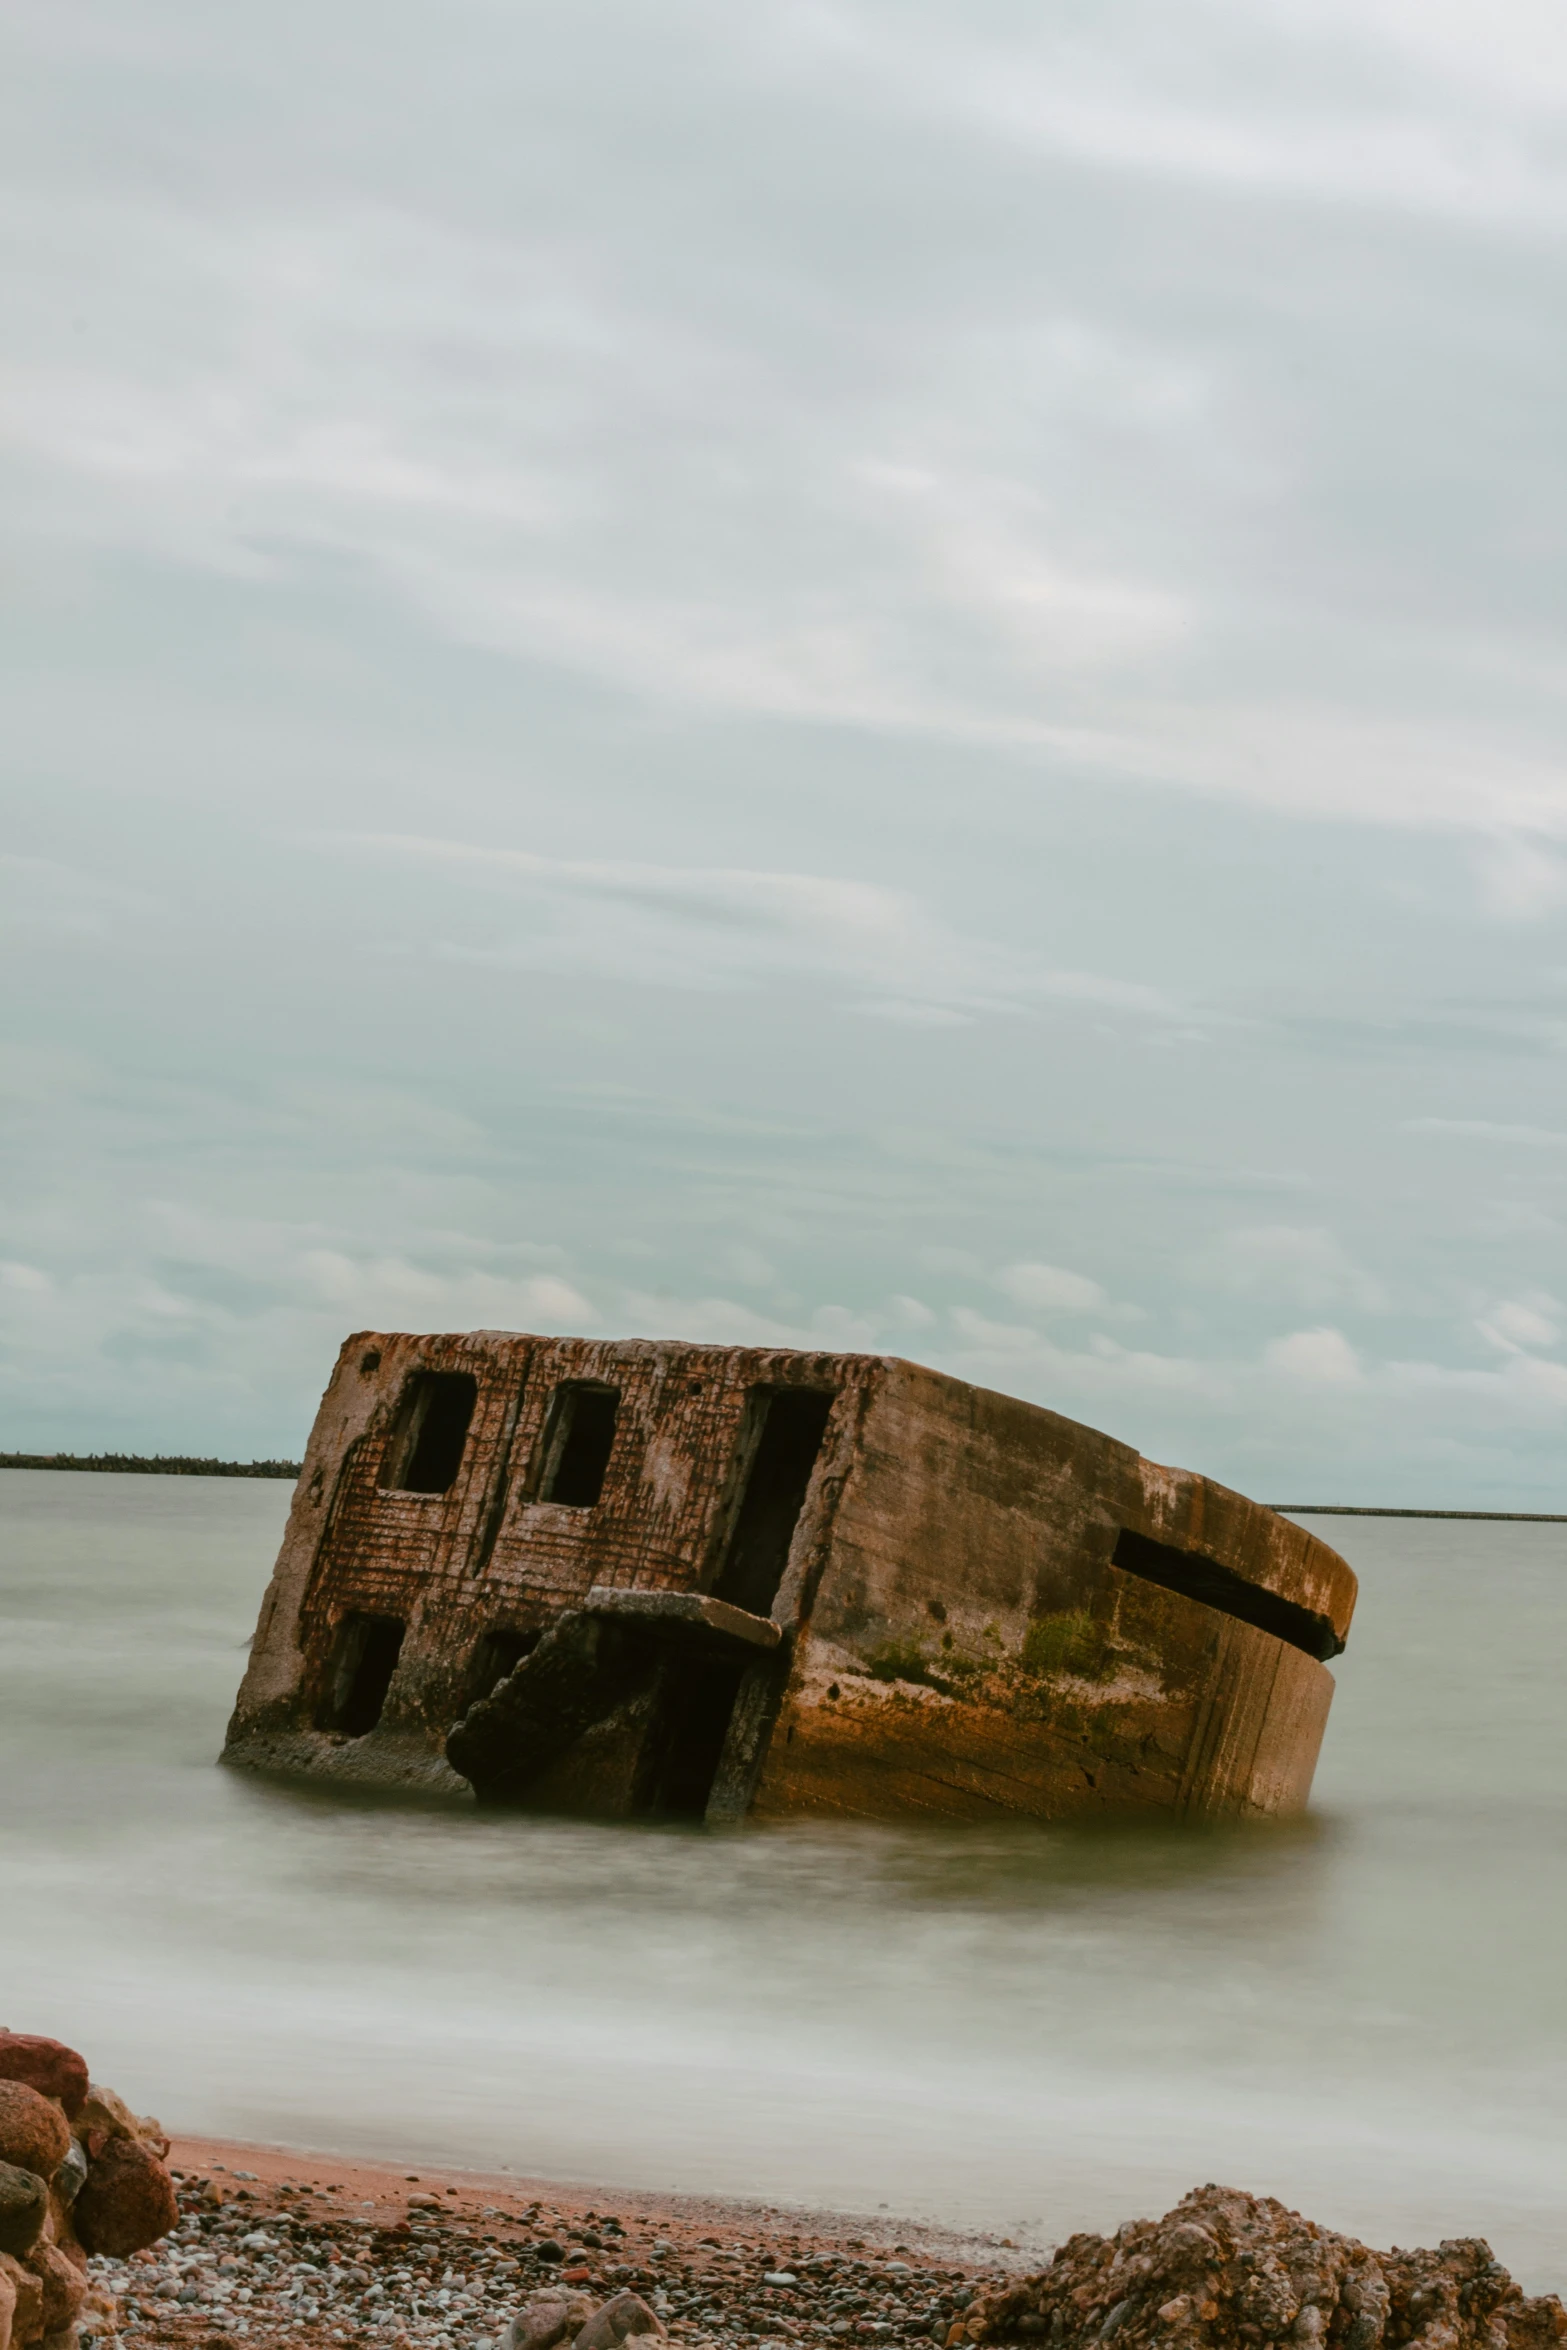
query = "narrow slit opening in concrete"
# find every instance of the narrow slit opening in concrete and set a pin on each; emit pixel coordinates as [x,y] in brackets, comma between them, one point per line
[432,1433]
[794,1422]
[1217,1586]
[497,1656]
[581,1438]
[368,1648]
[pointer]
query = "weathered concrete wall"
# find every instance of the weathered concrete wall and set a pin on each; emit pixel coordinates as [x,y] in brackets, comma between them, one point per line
[488,1554]
[956,1640]
[972,1648]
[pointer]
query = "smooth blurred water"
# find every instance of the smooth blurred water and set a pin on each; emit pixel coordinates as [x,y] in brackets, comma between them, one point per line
[1365,2013]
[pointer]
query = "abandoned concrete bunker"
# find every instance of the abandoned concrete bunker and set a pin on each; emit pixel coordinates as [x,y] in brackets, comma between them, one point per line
[636,1578]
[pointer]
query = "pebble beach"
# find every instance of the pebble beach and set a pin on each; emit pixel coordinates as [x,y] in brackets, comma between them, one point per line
[276,2248]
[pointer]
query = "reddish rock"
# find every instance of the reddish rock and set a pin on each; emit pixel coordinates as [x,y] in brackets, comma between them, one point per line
[546,2319]
[64,2287]
[1226,2271]
[45,2065]
[62,2235]
[34,2133]
[105,2114]
[128,2201]
[24,2206]
[617,2319]
[26,2295]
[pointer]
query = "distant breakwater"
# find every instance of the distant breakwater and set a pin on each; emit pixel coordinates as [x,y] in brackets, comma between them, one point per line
[1345,1509]
[161,1464]
[173,1464]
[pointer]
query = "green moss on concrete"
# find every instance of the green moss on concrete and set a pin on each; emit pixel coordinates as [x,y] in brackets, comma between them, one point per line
[905,1660]
[1068,1641]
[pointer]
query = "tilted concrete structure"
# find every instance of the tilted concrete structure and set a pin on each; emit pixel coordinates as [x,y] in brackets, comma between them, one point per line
[626,1578]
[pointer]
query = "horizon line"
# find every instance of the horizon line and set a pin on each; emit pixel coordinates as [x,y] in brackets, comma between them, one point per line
[164,1464]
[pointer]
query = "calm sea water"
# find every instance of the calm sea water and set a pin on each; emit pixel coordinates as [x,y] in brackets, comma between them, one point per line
[1364,2013]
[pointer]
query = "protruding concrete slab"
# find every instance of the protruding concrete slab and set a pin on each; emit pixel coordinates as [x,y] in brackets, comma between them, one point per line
[684,1607]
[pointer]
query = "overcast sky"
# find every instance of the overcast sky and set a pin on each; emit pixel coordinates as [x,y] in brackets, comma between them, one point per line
[876,675]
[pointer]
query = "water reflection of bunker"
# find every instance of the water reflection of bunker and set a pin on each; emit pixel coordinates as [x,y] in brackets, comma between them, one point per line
[645,1578]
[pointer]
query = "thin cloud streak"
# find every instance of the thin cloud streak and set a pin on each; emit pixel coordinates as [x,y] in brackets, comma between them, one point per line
[712,926]
[820,468]
[1021,662]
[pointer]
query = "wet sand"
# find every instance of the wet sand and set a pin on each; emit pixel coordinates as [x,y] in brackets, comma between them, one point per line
[386,2187]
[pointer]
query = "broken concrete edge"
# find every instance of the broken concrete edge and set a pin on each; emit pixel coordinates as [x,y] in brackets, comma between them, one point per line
[403,1769]
[684,1607]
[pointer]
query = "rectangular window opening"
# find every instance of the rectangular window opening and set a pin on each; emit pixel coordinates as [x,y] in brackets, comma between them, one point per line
[496,1656]
[577,1448]
[433,1419]
[368,1648]
[1220,1587]
[793,1425]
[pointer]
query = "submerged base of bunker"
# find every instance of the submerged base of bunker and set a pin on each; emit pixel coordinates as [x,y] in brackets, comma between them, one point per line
[641,1578]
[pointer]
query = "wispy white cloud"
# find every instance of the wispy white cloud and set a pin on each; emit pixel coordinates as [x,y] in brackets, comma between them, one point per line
[910,1313]
[42,894]
[713,926]
[1051,1289]
[392,1292]
[30,1278]
[1319,1358]
[723,1321]
[1437,130]
[1491,1130]
[1102,1376]
[1031,506]
[1523,879]
[1059,1294]
[1057,558]
[1522,1324]
[1304,1264]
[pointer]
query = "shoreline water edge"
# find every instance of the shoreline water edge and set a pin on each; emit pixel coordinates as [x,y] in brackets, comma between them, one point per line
[282,2249]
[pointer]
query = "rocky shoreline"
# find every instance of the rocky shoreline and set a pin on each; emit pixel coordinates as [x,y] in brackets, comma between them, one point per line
[111,2239]
[80,2174]
[276,2249]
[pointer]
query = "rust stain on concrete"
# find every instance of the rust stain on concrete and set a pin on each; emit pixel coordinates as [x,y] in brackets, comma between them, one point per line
[641,1578]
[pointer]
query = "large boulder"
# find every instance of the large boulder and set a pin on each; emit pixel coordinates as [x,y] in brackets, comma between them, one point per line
[127,2201]
[45,2065]
[26,2295]
[34,2133]
[615,2321]
[24,2206]
[545,2319]
[1229,2271]
[105,2114]
[64,2286]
